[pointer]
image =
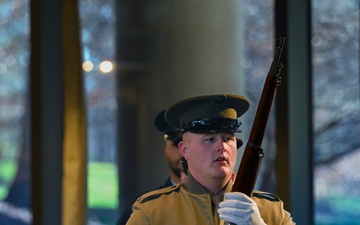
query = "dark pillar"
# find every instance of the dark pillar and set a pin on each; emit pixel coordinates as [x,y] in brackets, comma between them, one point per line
[282,166]
[131,61]
[300,111]
[46,111]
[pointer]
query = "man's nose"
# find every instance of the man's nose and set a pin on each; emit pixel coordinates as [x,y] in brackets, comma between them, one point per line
[221,145]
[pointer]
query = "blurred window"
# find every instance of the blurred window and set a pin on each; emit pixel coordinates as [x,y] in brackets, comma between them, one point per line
[336,112]
[14,145]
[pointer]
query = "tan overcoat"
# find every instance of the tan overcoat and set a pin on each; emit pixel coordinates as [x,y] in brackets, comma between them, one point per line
[190,203]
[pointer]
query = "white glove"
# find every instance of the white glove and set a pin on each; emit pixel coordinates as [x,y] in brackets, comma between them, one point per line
[239,209]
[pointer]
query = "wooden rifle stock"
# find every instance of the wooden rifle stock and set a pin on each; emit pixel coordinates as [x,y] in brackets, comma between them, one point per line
[253,154]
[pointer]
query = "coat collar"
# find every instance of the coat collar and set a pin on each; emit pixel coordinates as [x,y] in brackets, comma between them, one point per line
[193,186]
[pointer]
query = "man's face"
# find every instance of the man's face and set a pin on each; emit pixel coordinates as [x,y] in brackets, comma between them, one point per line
[209,155]
[173,158]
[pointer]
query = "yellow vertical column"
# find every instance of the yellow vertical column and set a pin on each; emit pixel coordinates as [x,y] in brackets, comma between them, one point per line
[74,191]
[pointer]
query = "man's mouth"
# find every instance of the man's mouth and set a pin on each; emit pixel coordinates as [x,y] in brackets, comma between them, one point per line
[220,159]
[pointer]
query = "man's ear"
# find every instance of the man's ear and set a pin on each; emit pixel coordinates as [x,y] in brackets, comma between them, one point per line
[183,177]
[233,175]
[182,149]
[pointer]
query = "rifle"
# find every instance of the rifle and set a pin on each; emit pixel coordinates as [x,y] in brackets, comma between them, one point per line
[253,153]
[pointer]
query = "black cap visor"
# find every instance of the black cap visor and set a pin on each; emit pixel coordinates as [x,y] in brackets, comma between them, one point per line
[217,125]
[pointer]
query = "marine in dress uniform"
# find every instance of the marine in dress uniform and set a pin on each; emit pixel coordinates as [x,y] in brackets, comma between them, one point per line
[192,202]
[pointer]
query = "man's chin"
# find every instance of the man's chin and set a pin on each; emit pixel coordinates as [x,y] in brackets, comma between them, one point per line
[224,172]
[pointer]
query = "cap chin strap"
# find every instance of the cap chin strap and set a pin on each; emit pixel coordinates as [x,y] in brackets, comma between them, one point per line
[212,125]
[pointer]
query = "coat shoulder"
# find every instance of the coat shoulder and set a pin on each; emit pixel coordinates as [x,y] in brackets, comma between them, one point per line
[265,195]
[153,195]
